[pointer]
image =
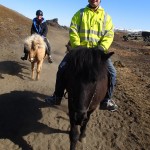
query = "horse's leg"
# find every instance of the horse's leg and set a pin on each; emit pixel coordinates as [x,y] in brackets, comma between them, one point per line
[82,137]
[32,69]
[74,136]
[39,67]
[74,133]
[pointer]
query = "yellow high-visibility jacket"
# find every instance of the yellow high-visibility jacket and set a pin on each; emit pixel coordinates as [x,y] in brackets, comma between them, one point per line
[91,29]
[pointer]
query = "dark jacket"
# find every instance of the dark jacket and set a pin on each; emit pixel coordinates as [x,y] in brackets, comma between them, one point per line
[39,27]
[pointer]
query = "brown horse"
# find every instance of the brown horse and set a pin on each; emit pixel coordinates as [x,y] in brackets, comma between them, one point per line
[87,83]
[36,46]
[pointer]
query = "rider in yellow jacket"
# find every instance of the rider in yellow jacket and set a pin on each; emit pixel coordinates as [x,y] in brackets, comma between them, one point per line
[90,27]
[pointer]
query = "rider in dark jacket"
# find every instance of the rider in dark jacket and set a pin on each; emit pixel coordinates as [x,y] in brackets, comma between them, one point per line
[39,26]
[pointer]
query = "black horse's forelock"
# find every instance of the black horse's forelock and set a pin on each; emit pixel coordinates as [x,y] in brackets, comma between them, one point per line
[86,63]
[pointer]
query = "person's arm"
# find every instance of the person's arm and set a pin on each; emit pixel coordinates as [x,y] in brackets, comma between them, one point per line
[108,37]
[74,30]
[32,29]
[45,29]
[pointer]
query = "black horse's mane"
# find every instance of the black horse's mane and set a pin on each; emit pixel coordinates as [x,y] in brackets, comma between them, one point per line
[87,64]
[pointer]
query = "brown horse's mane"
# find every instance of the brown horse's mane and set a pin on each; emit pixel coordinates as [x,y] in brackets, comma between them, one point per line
[87,63]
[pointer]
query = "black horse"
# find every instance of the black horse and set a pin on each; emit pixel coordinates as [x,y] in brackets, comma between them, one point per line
[86,84]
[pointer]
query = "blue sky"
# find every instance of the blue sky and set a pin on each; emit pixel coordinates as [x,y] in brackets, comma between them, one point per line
[126,14]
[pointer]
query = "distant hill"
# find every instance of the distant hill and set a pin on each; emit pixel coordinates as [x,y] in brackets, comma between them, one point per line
[13,25]
[54,22]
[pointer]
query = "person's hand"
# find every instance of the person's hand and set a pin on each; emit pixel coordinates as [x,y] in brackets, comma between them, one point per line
[43,37]
[79,46]
[100,48]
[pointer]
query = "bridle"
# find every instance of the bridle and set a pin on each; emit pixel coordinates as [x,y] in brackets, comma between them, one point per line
[92,98]
[32,59]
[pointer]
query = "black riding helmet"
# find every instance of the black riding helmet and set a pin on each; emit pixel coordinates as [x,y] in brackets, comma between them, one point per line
[39,13]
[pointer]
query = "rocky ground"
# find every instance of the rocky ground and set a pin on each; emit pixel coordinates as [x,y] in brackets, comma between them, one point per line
[27,122]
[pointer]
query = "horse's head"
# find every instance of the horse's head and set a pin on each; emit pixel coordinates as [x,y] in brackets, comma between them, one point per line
[32,56]
[82,94]
[36,47]
[33,51]
[87,76]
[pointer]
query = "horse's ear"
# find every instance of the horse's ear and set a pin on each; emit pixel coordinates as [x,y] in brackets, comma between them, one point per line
[108,55]
[68,46]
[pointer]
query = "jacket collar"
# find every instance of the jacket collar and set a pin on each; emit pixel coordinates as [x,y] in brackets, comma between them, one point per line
[98,10]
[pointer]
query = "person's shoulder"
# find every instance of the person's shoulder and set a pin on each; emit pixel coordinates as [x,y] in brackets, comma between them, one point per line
[80,10]
[34,19]
[101,9]
[85,8]
[43,20]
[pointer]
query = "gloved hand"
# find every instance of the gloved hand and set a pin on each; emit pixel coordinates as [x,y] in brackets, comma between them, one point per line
[100,48]
[43,37]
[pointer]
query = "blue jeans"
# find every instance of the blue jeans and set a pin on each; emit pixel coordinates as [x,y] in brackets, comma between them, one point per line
[112,80]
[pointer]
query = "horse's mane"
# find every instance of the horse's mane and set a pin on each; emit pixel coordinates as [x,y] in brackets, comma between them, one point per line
[34,42]
[87,64]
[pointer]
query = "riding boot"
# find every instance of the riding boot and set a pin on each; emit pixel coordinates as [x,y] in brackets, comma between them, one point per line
[25,57]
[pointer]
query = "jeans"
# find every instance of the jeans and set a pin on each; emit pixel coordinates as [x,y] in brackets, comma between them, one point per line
[112,80]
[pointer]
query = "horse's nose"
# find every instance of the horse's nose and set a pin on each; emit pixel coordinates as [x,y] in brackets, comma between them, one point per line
[31,59]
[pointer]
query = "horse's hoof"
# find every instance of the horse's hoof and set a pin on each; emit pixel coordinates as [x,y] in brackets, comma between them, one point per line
[83,140]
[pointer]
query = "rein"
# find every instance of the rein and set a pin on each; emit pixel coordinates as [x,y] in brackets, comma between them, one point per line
[92,98]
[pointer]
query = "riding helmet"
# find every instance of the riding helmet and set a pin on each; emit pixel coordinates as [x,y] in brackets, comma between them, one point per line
[39,13]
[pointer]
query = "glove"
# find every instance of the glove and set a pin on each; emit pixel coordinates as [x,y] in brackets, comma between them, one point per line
[43,37]
[100,48]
